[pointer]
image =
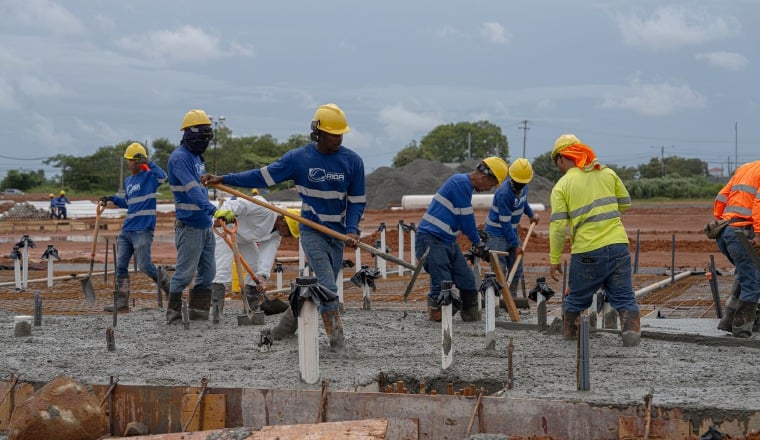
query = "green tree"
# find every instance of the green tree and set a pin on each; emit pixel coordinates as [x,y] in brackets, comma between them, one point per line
[464,140]
[96,172]
[23,180]
[675,166]
[544,167]
[408,154]
[160,151]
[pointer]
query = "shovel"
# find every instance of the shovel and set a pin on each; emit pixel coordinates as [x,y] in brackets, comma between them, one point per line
[89,291]
[269,306]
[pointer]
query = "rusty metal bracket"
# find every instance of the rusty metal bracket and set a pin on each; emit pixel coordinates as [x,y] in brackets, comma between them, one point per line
[201,394]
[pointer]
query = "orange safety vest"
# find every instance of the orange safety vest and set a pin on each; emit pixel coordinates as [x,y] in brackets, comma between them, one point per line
[739,200]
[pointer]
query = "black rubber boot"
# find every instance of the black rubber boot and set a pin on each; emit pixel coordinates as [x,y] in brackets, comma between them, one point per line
[199,303]
[434,312]
[174,309]
[286,327]
[732,303]
[630,328]
[469,312]
[744,319]
[217,301]
[163,279]
[334,330]
[122,296]
[570,324]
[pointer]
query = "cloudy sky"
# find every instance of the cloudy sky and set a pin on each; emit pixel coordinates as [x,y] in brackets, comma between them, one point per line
[634,80]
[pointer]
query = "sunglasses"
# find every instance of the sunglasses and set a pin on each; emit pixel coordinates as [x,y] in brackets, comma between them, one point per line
[205,131]
[483,168]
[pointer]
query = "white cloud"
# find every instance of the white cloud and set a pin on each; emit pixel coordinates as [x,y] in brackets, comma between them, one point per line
[724,60]
[494,32]
[184,44]
[402,124]
[37,88]
[7,96]
[655,99]
[40,15]
[45,132]
[446,32]
[100,130]
[672,27]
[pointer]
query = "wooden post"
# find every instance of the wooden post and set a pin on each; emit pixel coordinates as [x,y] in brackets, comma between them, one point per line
[401,246]
[412,244]
[303,271]
[358,264]
[490,313]
[476,274]
[381,263]
[308,343]
[506,295]
[339,283]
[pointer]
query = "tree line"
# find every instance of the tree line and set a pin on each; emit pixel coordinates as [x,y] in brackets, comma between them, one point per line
[103,171]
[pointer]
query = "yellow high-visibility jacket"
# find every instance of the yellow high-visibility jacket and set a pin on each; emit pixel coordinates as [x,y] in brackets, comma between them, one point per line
[739,200]
[590,203]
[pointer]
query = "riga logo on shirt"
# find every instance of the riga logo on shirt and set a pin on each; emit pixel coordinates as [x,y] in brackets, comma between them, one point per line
[320,175]
[133,189]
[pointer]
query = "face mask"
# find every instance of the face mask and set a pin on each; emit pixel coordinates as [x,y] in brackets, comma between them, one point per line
[197,138]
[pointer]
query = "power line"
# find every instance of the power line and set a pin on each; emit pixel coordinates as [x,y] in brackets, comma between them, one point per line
[23,158]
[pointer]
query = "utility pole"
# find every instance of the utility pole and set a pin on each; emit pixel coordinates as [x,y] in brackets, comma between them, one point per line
[736,144]
[662,161]
[525,129]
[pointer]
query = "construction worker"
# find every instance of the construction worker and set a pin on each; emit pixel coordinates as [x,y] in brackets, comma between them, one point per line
[588,199]
[60,203]
[53,207]
[739,203]
[259,233]
[136,236]
[509,204]
[193,235]
[450,212]
[330,181]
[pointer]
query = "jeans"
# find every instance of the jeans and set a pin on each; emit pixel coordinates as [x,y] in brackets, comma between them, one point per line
[507,261]
[195,253]
[135,243]
[608,268]
[747,272]
[325,256]
[445,262]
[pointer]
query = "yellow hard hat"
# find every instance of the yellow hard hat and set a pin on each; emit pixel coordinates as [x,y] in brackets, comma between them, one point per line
[255,191]
[193,118]
[330,119]
[133,149]
[520,171]
[498,167]
[62,193]
[51,195]
[293,224]
[563,142]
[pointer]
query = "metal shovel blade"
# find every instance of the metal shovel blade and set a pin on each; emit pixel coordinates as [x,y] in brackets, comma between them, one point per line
[273,306]
[89,291]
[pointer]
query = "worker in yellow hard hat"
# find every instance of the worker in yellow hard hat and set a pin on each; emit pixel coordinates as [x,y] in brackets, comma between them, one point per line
[194,236]
[60,204]
[449,213]
[330,181]
[588,201]
[509,204]
[260,231]
[53,210]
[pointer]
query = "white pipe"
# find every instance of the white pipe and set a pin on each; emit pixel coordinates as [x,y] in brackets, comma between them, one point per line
[660,284]
[421,201]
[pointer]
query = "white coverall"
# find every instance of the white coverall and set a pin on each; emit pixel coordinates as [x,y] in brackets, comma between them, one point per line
[257,241]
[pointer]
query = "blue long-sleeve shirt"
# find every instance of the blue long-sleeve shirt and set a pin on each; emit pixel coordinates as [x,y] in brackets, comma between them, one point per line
[505,213]
[331,186]
[451,211]
[140,200]
[191,203]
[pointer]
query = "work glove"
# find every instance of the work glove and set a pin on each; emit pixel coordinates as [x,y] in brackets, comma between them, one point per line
[226,215]
[104,200]
[482,251]
[483,235]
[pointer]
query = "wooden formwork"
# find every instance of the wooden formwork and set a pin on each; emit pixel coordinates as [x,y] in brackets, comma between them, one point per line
[410,416]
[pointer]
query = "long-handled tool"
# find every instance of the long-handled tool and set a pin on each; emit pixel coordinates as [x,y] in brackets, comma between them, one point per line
[519,257]
[89,291]
[229,234]
[325,230]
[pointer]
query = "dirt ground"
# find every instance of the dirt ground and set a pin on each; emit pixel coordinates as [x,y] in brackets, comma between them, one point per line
[394,339]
